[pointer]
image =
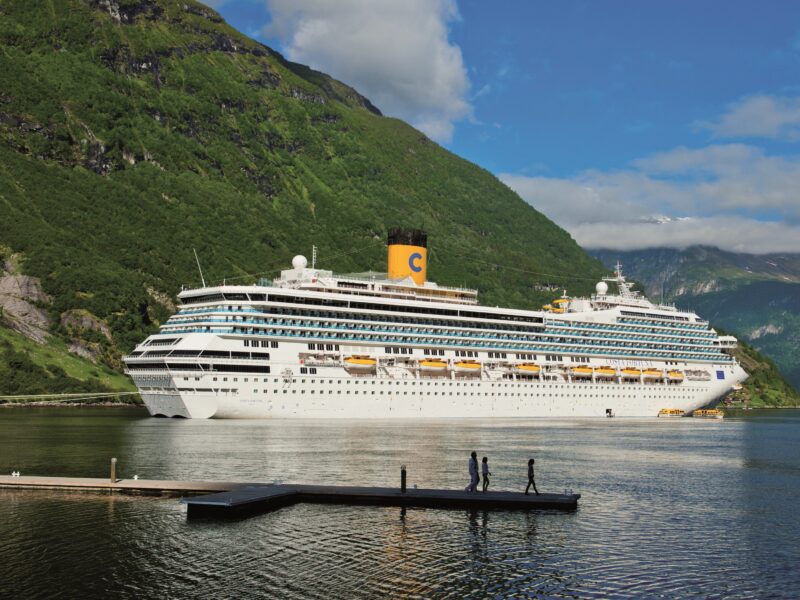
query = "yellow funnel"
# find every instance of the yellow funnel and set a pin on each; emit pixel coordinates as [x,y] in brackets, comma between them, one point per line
[408,254]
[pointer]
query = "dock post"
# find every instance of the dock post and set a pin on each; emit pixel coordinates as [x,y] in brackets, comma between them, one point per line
[113,470]
[403,479]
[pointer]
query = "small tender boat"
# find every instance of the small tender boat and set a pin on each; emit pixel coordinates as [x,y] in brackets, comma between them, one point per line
[652,374]
[547,307]
[360,363]
[605,372]
[581,371]
[708,413]
[527,368]
[631,373]
[467,366]
[431,365]
[675,375]
[670,413]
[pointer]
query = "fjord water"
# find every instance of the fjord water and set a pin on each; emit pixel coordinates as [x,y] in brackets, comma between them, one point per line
[677,508]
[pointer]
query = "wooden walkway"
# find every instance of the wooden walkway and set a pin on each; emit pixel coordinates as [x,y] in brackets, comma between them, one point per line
[131,486]
[225,498]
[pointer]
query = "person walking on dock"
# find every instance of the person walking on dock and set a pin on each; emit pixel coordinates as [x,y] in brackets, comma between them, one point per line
[485,472]
[531,482]
[473,472]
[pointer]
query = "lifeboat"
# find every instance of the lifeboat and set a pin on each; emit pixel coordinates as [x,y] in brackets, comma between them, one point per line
[631,373]
[652,374]
[547,307]
[675,375]
[709,413]
[467,366]
[527,368]
[557,310]
[361,364]
[431,365]
[581,371]
[605,372]
[670,413]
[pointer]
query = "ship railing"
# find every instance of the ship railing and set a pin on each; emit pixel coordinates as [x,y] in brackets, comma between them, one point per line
[418,338]
[609,351]
[698,347]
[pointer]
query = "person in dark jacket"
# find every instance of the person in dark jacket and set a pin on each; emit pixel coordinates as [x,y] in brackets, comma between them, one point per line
[472,465]
[531,482]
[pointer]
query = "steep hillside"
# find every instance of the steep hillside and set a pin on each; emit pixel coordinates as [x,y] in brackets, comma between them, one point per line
[132,131]
[757,298]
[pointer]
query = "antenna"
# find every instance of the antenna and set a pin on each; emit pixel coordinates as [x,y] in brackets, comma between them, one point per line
[313,257]
[198,267]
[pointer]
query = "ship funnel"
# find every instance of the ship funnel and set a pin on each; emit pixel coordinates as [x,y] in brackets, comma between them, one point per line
[408,254]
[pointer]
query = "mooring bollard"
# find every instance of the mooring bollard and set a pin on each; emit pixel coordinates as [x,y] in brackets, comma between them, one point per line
[113,470]
[403,479]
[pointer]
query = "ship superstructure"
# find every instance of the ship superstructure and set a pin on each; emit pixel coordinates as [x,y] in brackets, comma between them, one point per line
[314,344]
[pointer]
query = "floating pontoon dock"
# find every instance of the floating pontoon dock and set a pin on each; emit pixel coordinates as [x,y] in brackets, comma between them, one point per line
[221,498]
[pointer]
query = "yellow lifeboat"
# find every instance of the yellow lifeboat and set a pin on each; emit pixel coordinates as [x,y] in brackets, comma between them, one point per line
[605,372]
[561,301]
[670,413]
[557,310]
[581,371]
[547,307]
[631,372]
[467,366]
[432,365]
[527,368]
[360,363]
[675,375]
[652,374]
[709,413]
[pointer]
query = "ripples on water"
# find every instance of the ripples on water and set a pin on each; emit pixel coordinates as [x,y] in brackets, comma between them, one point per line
[670,509]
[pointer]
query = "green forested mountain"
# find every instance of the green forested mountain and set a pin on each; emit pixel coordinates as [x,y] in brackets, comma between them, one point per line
[132,131]
[755,297]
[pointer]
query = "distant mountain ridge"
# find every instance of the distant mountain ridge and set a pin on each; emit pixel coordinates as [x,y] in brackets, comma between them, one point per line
[756,297]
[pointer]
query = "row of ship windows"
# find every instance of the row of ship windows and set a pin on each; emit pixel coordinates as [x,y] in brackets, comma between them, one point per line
[360,305]
[235,391]
[328,316]
[321,381]
[591,343]
[704,340]
[591,349]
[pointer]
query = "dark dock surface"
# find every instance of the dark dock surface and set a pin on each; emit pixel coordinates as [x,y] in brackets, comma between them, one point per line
[269,497]
[225,498]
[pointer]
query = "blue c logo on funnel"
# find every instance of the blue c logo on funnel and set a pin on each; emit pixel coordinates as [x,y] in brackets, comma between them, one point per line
[412,260]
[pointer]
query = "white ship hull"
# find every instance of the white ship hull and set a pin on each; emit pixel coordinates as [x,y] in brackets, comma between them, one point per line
[348,397]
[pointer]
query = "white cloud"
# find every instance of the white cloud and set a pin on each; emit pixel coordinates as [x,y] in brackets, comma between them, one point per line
[732,196]
[395,52]
[759,116]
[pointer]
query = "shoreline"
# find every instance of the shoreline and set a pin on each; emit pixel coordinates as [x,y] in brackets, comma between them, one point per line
[46,404]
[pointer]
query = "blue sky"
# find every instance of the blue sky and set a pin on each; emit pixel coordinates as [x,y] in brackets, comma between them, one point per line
[631,124]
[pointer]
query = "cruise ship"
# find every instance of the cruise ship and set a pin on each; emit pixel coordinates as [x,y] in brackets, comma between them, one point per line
[312,344]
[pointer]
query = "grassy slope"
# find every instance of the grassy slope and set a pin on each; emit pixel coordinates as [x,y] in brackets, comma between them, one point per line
[234,153]
[765,386]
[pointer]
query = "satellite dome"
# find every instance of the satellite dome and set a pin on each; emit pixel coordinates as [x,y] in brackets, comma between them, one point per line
[299,262]
[601,288]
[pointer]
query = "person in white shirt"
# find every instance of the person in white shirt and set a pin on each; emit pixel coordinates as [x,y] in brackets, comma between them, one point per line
[485,472]
[473,472]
